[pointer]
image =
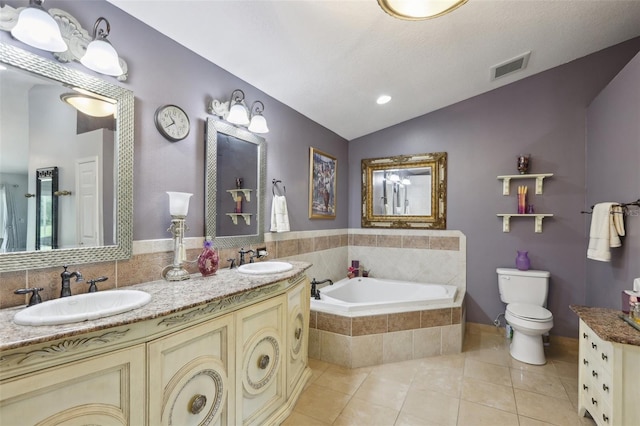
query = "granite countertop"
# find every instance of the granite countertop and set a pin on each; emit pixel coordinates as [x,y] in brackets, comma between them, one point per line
[607,324]
[166,298]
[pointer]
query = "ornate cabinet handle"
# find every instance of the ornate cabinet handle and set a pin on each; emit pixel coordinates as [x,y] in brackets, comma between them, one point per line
[605,388]
[298,333]
[585,336]
[605,418]
[594,346]
[198,402]
[263,362]
[593,373]
[585,387]
[594,402]
[585,362]
[604,357]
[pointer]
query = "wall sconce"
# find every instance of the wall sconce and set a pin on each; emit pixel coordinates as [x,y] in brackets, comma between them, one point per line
[101,56]
[178,209]
[38,29]
[235,111]
[417,10]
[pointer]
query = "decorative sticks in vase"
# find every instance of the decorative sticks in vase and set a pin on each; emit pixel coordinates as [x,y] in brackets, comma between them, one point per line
[522,199]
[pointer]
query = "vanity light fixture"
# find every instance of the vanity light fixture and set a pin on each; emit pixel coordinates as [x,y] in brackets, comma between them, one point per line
[258,123]
[405,181]
[178,209]
[89,105]
[237,109]
[38,29]
[417,10]
[101,56]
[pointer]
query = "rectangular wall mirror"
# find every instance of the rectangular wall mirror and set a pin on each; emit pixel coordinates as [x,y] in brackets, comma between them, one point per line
[93,159]
[406,191]
[234,185]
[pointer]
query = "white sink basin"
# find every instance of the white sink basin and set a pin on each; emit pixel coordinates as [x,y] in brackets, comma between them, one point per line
[82,307]
[265,268]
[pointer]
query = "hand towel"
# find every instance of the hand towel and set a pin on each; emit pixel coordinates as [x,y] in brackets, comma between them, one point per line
[279,214]
[603,233]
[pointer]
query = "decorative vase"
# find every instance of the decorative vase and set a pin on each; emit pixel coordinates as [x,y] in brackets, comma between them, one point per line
[208,259]
[523,163]
[522,261]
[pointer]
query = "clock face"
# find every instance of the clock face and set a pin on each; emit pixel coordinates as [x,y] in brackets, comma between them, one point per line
[172,122]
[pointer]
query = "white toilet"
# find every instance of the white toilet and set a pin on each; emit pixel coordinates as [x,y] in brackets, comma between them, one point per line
[525,293]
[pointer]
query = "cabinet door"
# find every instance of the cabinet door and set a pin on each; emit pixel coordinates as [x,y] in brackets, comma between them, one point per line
[189,375]
[298,300]
[260,386]
[103,390]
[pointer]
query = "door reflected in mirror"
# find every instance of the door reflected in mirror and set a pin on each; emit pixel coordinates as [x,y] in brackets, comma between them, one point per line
[406,191]
[46,209]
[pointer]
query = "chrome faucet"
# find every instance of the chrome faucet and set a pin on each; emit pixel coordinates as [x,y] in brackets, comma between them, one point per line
[315,293]
[66,281]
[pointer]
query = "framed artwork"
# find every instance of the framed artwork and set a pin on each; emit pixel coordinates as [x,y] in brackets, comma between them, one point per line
[323,175]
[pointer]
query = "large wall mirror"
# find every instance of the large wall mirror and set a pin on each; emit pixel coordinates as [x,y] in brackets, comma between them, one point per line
[234,185]
[406,191]
[91,209]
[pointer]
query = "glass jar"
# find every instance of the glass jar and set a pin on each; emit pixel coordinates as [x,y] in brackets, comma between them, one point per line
[208,259]
[634,312]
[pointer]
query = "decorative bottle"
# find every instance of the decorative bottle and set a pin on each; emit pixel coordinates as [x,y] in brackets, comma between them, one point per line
[522,261]
[208,259]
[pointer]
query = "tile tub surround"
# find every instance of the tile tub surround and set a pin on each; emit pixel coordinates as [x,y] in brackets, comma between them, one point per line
[368,340]
[442,257]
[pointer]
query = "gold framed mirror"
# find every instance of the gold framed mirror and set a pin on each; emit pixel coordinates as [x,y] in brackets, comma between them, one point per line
[405,191]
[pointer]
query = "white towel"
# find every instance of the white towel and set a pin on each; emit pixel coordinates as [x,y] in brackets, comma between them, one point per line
[606,229]
[279,214]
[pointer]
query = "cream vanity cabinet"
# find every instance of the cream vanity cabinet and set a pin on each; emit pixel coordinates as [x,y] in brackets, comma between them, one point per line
[240,360]
[608,385]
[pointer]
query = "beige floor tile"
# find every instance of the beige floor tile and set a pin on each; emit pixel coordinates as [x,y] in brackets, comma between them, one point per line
[341,380]
[402,372]
[471,414]
[485,393]
[431,406]
[321,403]
[405,419]
[445,380]
[316,364]
[444,361]
[566,369]
[539,383]
[297,419]
[498,356]
[382,391]
[496,374]
[360,412]
[571,387]
[547,409]
[548,369]
[526,421]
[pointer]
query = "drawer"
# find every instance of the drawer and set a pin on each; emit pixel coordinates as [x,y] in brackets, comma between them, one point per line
[600,351]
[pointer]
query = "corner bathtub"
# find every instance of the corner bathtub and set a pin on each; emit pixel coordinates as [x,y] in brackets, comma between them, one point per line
[370,296]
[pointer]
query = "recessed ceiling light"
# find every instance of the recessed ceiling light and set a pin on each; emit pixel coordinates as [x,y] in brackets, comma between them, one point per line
[383,99]
[2,67]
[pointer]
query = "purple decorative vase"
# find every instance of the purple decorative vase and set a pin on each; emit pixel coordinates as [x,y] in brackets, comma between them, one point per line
[522,261]
[208,260]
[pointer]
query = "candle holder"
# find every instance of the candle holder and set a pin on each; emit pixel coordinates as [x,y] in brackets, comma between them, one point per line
[178,208]
[523,163]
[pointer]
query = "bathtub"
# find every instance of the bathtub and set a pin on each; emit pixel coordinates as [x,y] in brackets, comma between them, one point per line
[371,296]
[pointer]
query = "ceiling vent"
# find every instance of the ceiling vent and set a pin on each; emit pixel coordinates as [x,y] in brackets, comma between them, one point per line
[512,65]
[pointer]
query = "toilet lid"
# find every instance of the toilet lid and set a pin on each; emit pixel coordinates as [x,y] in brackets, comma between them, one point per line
[530,312]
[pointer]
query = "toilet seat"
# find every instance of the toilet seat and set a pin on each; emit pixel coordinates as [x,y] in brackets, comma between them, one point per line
[529,312]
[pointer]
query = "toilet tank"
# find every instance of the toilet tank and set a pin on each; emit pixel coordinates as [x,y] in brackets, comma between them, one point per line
[517,286]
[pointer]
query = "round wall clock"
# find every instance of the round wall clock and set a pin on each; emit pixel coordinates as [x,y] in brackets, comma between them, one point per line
[172,122]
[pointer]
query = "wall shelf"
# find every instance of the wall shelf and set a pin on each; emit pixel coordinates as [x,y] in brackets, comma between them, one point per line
[245,216]
[506,217]
[506,181]
[234,193]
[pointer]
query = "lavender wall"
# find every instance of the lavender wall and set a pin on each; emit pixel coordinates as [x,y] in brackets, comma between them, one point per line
[613,174]
[544,116]
[163,72]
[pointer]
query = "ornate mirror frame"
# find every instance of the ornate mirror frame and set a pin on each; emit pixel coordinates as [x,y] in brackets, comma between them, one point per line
[437,161]
[214,127]
[16,57]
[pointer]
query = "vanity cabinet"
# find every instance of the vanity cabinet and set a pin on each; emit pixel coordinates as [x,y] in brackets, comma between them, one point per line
[107,389]
[237,360]
[607,380]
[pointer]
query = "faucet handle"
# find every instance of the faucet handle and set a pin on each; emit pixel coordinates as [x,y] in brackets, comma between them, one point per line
[92,283]
[233,263]
[35,296]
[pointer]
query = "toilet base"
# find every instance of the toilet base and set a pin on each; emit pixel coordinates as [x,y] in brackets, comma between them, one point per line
[528,349]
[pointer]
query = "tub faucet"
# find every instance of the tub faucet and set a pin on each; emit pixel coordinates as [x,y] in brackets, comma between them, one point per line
[66,281]
[315,293]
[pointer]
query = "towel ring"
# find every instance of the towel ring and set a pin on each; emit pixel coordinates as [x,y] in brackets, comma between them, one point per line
[275,186]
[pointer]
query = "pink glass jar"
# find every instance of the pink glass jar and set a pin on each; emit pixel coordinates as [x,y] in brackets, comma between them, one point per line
[208,259]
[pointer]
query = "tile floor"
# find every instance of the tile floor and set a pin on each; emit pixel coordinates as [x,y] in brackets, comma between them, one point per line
[481,386]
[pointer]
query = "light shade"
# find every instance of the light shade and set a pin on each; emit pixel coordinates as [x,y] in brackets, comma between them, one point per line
[102,57]
[88,105]
[179,203]
[38,29]
[258,124]
[415,10]
[238,114]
